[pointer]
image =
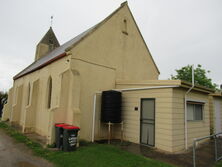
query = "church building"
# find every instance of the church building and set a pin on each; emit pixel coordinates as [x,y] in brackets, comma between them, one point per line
[64,85]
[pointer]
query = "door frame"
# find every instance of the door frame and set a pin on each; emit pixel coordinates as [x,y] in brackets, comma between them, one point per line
[154,131]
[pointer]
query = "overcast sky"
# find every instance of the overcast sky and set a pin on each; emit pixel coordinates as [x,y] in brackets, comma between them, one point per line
[177,32]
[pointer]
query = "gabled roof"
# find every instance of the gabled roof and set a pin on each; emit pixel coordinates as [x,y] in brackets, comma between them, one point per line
[54,55]
[60,51]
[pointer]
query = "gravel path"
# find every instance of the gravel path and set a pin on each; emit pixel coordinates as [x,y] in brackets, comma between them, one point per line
[14,154]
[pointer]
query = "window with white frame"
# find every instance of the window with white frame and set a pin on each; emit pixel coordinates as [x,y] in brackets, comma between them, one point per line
[194,111]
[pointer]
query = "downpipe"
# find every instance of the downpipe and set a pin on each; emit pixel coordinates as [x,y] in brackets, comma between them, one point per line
[185,110]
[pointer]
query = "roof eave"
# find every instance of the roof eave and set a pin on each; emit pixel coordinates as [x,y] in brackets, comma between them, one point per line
[186,84]
[41,66]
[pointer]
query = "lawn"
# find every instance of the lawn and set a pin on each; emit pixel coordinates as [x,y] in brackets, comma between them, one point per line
[218,164]
[99,155]
[93,155]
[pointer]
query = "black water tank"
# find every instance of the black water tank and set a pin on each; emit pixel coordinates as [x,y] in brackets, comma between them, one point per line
[111,106]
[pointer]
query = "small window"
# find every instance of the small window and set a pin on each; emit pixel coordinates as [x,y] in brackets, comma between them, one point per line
[124,29]
[194,111]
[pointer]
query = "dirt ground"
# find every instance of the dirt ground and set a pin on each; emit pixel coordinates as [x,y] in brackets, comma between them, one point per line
[14,154]
[204,154]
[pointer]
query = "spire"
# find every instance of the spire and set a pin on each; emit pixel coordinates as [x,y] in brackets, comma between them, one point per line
[50,38]
[51,21]
[48,43]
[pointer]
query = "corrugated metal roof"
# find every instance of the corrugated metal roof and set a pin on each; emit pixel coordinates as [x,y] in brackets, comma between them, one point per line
[53,55]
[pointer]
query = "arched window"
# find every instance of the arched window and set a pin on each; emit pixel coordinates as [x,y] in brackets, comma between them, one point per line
[28,94]
[49,93]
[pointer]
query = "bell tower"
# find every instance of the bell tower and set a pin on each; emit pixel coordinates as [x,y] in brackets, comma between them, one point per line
[48,43]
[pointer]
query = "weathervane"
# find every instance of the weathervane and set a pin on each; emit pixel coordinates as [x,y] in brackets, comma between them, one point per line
[51,20]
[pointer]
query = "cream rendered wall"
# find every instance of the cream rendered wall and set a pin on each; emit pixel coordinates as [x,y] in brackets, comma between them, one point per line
[31,108]
[23,104]
[110,47]
[93,78]
[106,55]
[195,128]
[42,113]
[163,116]
[17,105]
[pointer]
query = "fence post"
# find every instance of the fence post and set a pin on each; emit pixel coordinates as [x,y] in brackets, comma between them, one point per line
[194,153]
[215,145]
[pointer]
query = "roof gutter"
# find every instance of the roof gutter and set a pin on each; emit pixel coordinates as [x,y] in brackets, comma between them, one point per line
[146,88]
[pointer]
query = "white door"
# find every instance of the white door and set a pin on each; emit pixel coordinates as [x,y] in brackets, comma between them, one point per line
[217,109]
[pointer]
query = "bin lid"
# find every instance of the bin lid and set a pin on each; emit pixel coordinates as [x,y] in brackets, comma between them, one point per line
[61,124]
[71,127]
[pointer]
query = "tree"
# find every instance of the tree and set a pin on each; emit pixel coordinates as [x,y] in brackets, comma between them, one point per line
[3,96]
[200,76]
[3,100]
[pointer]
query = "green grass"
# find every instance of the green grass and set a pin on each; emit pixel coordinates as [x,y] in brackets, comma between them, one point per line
[218,164]
[99,155]
[93,155]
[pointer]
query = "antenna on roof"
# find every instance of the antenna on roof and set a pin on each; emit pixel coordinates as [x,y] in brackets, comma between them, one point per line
[51,21]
